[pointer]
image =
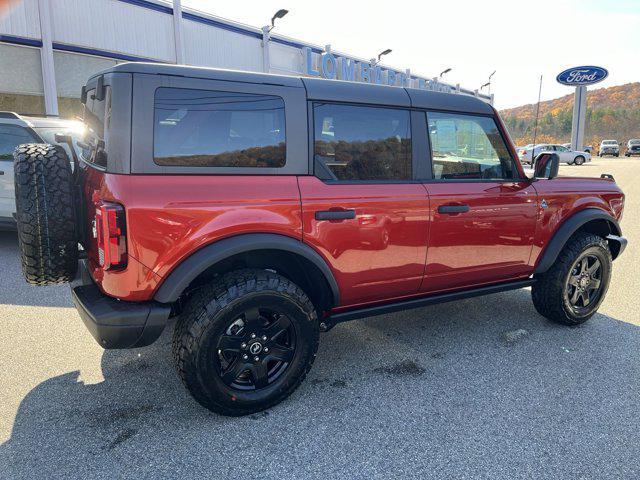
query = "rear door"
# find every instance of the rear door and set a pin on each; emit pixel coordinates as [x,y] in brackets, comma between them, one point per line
[483,212]
[362,209]
[10,137]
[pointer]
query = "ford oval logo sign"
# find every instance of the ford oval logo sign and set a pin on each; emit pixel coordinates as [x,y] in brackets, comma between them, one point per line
[578,76]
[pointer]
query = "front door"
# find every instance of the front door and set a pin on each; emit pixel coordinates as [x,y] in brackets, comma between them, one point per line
[483,213]
[362,211]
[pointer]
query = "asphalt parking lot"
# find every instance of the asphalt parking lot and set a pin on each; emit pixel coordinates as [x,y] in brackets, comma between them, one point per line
[482,388]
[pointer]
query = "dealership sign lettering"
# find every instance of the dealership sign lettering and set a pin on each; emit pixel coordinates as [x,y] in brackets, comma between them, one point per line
[580,76]
[330,66]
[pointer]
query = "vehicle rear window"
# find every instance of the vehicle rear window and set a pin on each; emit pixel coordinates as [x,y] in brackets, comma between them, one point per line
[204,128]
[468,147]
[10,137]
[361,143]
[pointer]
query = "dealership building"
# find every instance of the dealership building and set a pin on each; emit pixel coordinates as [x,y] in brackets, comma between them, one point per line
[48,49]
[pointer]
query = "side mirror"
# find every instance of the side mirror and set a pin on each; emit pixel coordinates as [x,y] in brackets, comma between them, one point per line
[546,165]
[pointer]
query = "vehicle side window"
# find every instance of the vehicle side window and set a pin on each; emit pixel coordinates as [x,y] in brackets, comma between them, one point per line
[358,143]
[468,147]
[10,137]
[205,128]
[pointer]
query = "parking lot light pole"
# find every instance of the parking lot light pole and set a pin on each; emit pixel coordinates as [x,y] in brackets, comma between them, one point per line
[535,128]
[266,37]
[489,81]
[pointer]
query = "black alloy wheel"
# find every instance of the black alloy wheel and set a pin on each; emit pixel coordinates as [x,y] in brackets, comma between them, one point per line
[255,349]
[571,291]
[584,284]
[245,341]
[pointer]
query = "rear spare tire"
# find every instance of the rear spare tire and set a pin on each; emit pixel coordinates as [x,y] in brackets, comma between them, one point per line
[45,214]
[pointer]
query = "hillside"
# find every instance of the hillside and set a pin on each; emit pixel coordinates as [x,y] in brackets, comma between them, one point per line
[612,112]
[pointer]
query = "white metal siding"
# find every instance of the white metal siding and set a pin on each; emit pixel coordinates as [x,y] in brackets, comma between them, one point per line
[285,60]
[114,26]
[22,20]
[205,45]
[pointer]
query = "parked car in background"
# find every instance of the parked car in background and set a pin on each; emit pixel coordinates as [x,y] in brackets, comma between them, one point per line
[633,147]
[17,129]
[609,147]
[587,148]
[525,153]
[566,155]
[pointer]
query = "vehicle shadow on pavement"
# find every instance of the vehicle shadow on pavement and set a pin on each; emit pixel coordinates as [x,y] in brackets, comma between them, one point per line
[484,383]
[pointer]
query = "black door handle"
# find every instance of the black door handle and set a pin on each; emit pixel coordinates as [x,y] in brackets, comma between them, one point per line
[452,209]
[335,214]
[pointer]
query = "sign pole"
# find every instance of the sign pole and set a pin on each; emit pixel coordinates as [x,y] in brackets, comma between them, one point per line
[580,77]
[579,118]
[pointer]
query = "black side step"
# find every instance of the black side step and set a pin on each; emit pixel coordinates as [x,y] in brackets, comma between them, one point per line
[334,319]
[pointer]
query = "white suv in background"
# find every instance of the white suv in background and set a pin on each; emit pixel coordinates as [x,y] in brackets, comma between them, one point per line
[609,147]
[18,129]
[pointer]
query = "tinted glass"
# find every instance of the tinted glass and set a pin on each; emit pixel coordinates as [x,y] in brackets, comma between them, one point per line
[362,143]
[10,137]
[97,118]
[468,147]
[202,128]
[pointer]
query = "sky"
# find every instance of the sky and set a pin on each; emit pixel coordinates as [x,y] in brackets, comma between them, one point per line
[519,40]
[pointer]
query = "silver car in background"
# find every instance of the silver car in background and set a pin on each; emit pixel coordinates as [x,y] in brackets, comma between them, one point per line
[17,129]
[566,155]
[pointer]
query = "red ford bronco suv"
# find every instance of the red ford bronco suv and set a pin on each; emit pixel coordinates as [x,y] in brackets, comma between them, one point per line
[260,210]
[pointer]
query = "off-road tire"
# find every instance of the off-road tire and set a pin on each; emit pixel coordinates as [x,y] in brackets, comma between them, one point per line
[205,318]
[548,291]
[579,160]
[45,214]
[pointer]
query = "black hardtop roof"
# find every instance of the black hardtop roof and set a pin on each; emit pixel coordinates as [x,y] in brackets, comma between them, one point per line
[319,89]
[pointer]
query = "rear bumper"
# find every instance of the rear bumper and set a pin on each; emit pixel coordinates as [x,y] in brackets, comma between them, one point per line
[115,323]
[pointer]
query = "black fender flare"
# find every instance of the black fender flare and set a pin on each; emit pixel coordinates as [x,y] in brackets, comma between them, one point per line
[180,277]
[568,228]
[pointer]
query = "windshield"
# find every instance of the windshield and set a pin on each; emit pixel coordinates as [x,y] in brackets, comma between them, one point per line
[49,135]
[609,142]
[634,142]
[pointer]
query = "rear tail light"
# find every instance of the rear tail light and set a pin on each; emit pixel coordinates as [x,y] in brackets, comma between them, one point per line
[110,232]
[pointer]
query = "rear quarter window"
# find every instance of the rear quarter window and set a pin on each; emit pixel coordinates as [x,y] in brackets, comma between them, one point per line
[97,118]
[206,128]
